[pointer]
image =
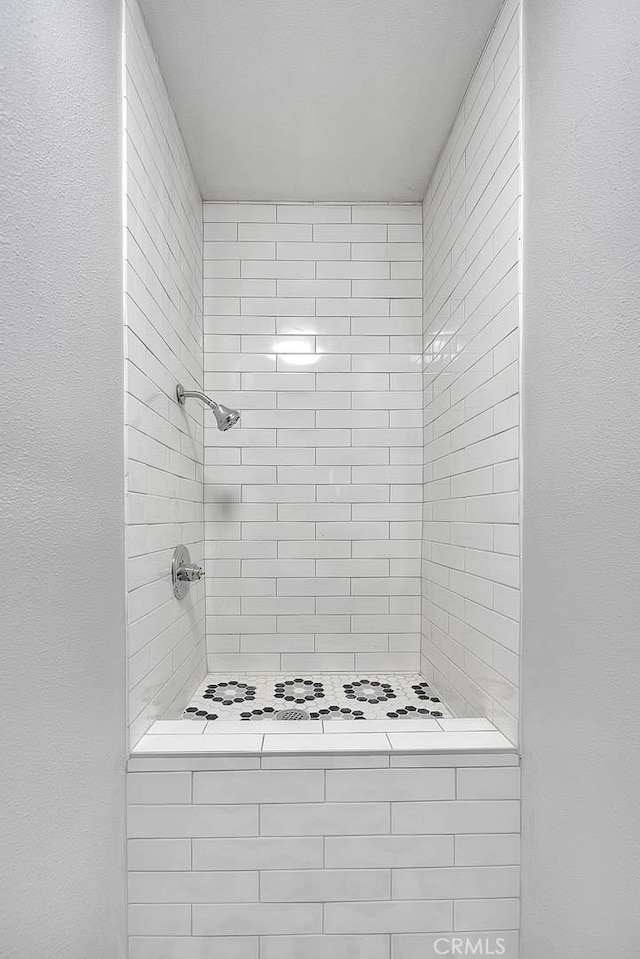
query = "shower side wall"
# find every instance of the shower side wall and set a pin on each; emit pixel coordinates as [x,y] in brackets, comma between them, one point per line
[312,320]
[472,306]
[163,345]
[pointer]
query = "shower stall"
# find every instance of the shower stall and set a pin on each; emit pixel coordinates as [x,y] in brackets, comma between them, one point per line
[336,547]
[360,523]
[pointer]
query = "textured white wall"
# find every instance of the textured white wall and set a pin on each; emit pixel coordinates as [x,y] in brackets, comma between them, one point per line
[471,542]
[163,345]
[312,329]
[62,657]
[581,622]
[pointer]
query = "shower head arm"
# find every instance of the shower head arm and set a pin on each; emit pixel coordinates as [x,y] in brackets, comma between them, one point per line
[225,416]
[182,395]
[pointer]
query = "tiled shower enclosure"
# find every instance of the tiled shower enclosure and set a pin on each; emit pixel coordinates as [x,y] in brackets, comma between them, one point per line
[360,531]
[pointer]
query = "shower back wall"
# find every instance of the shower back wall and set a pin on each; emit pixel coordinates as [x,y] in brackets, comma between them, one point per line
[312,321]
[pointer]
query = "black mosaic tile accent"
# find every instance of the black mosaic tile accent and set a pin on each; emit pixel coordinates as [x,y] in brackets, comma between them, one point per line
[267,712]
[422,690]
[299,691]
[369,691]
[337,712]
[200,713]
[412,712]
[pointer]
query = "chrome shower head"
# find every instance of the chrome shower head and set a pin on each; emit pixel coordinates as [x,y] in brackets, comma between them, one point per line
[225,417]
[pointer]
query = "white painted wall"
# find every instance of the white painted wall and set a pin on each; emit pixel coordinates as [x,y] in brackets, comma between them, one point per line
[163,346]
[581,622]
[312,329]
[62,657]
[471,541]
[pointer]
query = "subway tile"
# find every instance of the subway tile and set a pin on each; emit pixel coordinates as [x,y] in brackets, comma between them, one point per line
[275,232]
[326,761]
[455,817]
[154,855]
[256,919]
[389,785]
[158,788]
[349,233]
[159,919]
[312,250]
[278,269]
[388,917]
[299,852]
[197,886]
[341,742]
[229,250]
[471,914]
[488,783]
[158,822]
[490,882]
[382,852]
[386,251]
[324,947]
[487,850]
[324,885]
[387,213]
[217,212]
[260,786]
[313,213]
[321,819]
[192,947]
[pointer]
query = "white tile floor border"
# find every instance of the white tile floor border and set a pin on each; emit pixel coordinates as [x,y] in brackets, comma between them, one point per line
[175,739]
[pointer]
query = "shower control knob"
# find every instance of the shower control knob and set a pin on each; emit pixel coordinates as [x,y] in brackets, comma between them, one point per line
[184,572]
[190,574]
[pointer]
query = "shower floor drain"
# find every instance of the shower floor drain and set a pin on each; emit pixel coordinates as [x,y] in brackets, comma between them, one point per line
[291,714]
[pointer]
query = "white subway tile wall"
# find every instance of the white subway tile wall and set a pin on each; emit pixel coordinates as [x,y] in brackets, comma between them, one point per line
[336,863]
[163,345]
[472,292]
[312,328]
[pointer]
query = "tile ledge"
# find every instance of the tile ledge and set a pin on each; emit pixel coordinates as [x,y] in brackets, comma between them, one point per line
[396,742]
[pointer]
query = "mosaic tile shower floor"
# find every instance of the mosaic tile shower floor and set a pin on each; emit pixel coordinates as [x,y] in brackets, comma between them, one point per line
[323,696]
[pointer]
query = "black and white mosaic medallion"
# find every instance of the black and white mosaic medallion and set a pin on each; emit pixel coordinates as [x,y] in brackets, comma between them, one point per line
[298,691]
[369,691]
[230,692]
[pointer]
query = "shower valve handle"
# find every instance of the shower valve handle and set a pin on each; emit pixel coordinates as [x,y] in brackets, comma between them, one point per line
[190,574]
[183,572]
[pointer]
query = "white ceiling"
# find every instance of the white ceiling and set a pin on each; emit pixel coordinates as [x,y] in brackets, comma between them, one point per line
[317,99]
